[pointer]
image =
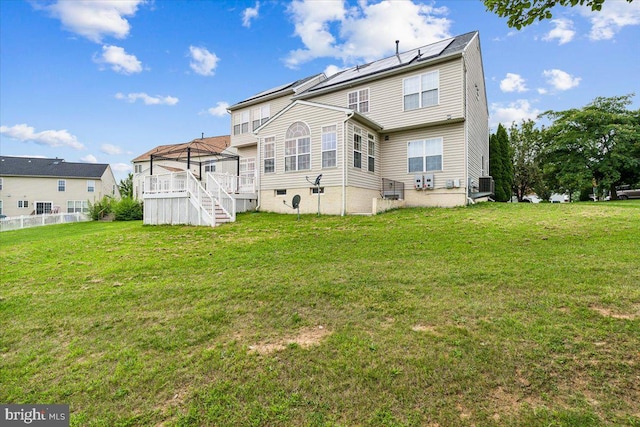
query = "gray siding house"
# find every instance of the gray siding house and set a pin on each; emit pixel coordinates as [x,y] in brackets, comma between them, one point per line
[34,186]
[407,130]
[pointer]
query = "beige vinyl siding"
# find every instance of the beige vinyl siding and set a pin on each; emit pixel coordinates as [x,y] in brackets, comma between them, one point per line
[361,177]
[386,103]
[394,153]
[108,183]
[314,118]
[275,106]
[34,189]
[478,117]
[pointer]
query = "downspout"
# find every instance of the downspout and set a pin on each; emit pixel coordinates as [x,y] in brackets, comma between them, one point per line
[258,174]
[344,163]
[466,129]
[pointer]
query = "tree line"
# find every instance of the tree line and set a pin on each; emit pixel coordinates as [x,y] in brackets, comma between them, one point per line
[594,149]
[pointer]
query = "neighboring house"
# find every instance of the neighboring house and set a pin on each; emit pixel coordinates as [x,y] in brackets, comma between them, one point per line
[34,186]
[413,126]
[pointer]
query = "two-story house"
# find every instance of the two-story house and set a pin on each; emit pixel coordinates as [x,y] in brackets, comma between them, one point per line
[34,186]
[413,126]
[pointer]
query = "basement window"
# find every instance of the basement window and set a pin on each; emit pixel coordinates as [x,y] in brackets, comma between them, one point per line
[281,192]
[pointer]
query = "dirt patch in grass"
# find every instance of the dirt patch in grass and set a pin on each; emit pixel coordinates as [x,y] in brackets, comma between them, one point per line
[305,338]
[426,328]
[607,312]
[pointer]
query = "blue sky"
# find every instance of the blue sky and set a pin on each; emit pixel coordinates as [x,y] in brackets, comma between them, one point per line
[104,81]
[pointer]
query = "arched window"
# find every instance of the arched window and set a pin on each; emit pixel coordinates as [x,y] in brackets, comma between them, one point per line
[297,148]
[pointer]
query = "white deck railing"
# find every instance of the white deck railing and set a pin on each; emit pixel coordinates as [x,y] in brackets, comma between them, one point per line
[165,183]
[236,184]
[224,199]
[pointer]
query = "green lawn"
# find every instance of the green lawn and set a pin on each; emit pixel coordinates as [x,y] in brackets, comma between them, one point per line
[494,314]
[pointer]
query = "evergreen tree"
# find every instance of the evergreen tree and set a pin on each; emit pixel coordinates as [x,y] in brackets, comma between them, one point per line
[507,164]
[495,164]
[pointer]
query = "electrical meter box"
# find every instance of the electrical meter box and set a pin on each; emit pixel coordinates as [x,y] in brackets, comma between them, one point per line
[428,182]
[418,182]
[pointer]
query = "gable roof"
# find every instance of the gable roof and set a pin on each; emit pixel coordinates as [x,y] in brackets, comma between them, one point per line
[276,92]
[58,168]
[356,115]
[402,61]
[199,147]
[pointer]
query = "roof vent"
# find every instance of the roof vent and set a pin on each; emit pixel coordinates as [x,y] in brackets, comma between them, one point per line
[397,46]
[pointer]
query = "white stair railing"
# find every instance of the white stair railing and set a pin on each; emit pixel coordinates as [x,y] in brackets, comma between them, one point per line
[224,199]
[201,199]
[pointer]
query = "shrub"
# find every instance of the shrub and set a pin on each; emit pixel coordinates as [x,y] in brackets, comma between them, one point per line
[101,208]
[128,209]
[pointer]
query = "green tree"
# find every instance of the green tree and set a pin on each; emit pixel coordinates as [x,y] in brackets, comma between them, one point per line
[500,164]
[598,143]
[507,164]
[126,186]
[525,141]
[495,164]
[524,12]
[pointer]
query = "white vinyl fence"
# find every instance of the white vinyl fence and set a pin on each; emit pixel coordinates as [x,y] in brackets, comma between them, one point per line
[26,221]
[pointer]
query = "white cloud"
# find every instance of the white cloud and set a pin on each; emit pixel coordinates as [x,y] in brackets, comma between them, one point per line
[95,20]
[561,80]
[203,62]
[250,13]
[542,91]
[121,167]
[110,149]
[332,69]
[614,16]
[120,61]
[364,31]
[563,31]
[220,110]
[512,112]
[89,158]
[148,100]
[51,138]
[513,83]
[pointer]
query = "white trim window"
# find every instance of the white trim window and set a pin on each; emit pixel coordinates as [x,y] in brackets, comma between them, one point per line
[357,148]
[137,168]
[0,207]
[359,100]
[371,159]
[43,207]
[297,148]
[23,203]
[241,123]
[248,166]
[329,146]
[1,183]
[260,116]
[77,206]
[91,186]
[210,166]
[424,155]
[421,91]
[269,154]
[62,185]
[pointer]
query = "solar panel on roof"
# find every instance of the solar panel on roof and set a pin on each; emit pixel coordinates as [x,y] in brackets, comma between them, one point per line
[386,63]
